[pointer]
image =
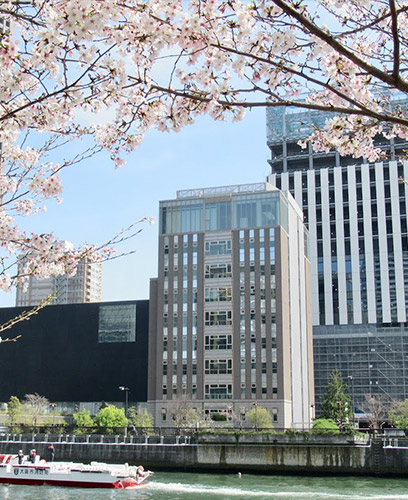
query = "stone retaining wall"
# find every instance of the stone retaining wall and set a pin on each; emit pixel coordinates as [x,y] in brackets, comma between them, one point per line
[375,458]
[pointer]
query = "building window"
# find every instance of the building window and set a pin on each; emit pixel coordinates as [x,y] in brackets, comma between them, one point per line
[218,271]
[223,247]
[117,323]
[217,216]
[218,318]
[182,217]
[220,294]
[245,214]
[218,342]
[218,391]
[256,211]
[218,366]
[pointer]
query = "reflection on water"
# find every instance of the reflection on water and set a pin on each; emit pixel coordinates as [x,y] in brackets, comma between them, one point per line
[186,486]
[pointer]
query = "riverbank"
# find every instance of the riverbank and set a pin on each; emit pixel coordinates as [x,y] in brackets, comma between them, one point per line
[267,454]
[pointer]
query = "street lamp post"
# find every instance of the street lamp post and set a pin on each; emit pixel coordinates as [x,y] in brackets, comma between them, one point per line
[126,389]
[53,406]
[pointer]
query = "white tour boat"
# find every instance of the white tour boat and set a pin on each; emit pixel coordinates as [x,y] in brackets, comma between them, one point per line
[94,475]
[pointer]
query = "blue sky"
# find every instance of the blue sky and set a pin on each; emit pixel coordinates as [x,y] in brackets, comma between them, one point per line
[99,200]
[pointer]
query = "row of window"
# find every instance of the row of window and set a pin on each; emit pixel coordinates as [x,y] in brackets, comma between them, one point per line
[253,210]
[345,176]
[228,412]
[216,271]
[219,391]
[221,318]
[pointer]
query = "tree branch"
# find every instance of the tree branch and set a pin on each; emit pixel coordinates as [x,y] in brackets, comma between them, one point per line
[24,316]
[395,37]
[326,37]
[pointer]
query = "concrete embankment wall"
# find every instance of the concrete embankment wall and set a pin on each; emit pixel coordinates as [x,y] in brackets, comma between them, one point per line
[305,458]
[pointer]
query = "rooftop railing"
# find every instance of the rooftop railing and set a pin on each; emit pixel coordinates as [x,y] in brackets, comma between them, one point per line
[225,190]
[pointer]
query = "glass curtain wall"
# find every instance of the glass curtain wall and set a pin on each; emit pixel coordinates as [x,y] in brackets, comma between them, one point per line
[242,211]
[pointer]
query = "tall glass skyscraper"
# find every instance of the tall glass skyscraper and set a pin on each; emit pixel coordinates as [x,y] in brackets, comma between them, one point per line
[356,214]
[230,317]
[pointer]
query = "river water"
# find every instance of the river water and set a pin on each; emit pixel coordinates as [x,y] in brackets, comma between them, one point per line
[189,486]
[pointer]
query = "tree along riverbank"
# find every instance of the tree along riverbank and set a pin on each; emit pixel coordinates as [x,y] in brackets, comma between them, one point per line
[265,453]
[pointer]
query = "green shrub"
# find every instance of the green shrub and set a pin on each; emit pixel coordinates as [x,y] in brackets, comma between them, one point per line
[325,426]
[83,422]
[111,419]
[218,417]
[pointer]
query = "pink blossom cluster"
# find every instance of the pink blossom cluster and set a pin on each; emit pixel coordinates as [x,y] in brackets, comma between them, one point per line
[98,55]
[159,64]
[48,187]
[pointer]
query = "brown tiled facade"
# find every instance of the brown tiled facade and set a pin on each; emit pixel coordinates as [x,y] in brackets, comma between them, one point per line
[224,334]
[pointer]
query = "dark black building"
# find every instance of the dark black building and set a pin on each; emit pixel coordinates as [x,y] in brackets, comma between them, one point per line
[77,352]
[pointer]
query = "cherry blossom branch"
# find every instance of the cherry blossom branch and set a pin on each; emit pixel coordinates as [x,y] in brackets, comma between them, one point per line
[159,65]
[340,48]
[280,102]
[65,90]
[21,17]
[373,23]
[24,316]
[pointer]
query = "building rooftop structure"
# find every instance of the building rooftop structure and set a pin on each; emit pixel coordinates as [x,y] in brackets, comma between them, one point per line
[210,192]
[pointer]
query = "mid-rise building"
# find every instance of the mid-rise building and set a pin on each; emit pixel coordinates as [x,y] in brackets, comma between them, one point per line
[84,286]
[356,214]
[230,312]
[78,353]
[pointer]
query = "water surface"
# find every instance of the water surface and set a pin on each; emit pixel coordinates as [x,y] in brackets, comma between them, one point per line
[189,486]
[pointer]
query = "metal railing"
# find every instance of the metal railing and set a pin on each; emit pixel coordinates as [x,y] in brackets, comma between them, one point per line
[159,435]
[106,439]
